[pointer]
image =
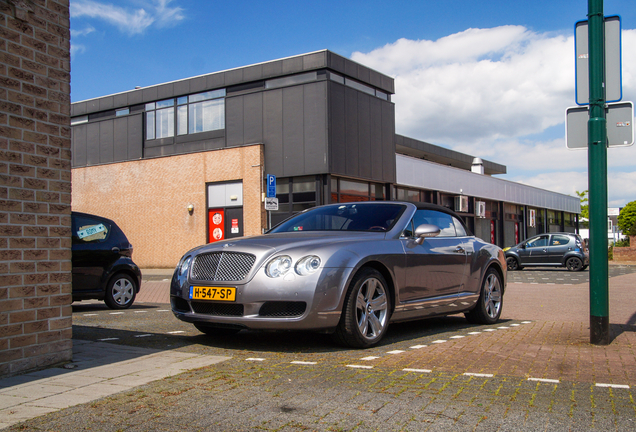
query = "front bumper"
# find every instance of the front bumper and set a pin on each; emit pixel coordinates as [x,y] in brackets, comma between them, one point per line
[291,302]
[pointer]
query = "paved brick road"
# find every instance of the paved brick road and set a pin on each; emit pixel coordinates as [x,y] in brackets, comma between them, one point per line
[534,371]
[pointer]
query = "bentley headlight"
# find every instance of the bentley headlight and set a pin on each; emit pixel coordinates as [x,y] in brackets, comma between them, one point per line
[278,266]
[307,265]
[185,265]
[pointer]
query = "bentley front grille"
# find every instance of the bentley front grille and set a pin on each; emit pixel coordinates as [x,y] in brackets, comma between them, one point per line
[222,266]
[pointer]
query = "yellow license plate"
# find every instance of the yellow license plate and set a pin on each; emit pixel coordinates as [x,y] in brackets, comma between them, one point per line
[212,293]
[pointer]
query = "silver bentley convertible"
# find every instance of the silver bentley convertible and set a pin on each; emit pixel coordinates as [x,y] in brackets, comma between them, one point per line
[348,269]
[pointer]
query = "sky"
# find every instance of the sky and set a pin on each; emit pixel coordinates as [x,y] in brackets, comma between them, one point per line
[490,79]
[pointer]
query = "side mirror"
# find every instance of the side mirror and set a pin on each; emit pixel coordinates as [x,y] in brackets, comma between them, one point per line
[425,230]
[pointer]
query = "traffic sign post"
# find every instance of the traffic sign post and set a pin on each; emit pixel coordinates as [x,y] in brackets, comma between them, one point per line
[271,186]
[620,127]
[597,179]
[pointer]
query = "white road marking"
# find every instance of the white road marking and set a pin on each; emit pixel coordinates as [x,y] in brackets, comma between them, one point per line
[116,313]
[515,325]
[526,322]
[143,335]
[418,370]
[89,315]
[107,339]
[141,311]
[490,330]
[418,346]
[360,367]
[480,375]
[395,352]
[439,341]
[503,327]
[255,359]
[176,332]
[369,358]
[546,380]
[162,310]
[457,337]
[474,333]
[623,386]
[304,363]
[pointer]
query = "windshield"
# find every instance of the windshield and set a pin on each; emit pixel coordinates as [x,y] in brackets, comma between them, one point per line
[345,217]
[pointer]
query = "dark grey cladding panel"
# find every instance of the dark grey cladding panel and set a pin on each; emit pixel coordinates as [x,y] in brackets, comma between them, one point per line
[272,69]
[216,80]
[106,103]
[388,84]
[388,143]
[182,87]
[364,135]
[375,131]
[253,73]
[135,136]
[351,69]
[336,62]
[315,60]
[135,97]
[292,65]
[351,132]
[375,78]
[120,150]
[149,94]
[293,145]
[121,100]
[106,141]
[215,143]
[165,91]
[234,121]
[234,76]
[273,130]
[78,142]
[78,109]
[315,125]
[337,128]
[92,143]
[198,84]
[253,118]
[166,150]
[364,73]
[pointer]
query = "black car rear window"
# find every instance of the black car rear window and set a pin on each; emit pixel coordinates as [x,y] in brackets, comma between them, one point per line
[88,230]
[345,217]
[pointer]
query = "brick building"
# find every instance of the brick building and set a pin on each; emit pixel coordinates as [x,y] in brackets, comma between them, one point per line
[35,185]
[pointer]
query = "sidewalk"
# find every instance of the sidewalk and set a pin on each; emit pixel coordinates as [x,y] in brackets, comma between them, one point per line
[99,370]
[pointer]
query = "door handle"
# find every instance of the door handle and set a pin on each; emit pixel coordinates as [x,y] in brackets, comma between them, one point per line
[115,249]
[460,249]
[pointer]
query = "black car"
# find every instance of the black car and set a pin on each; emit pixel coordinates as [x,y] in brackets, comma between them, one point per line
[103,268]
[550,249]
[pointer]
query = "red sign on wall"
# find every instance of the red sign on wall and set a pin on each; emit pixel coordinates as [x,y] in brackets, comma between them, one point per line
[216,221]
[492,232]
[516,233]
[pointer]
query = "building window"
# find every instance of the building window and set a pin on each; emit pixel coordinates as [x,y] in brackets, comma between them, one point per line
[195,113]
[343,190]
[121,112]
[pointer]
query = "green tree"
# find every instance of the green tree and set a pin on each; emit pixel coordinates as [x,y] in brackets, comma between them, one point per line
[627,219]
[585,207]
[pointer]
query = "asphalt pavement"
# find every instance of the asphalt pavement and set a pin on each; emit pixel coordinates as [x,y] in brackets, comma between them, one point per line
[535,370]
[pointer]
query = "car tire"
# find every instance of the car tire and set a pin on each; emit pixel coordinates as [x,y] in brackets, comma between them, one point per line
[490,303]
[513,264]
[216,331]
[120,292]
[574,264]
[366,310]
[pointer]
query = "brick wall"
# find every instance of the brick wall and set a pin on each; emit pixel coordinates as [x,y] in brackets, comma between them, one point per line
[35,185]
[623,254]
[149,198]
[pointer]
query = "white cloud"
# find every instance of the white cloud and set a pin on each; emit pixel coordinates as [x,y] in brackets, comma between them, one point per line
[77,49]
[85,31]
[492,93]
[128,20]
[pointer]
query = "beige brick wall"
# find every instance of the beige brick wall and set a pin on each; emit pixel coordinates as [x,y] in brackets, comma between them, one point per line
[35,185]
[148,198]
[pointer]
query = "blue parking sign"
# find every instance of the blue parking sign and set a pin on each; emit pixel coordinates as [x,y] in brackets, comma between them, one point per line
[271,186]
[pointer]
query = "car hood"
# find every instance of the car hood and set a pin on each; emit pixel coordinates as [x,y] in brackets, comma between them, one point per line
[278,242]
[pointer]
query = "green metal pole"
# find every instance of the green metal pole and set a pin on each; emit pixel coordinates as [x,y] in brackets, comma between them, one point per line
[597,178]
